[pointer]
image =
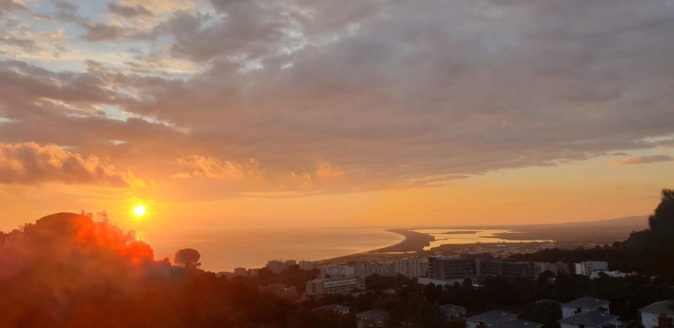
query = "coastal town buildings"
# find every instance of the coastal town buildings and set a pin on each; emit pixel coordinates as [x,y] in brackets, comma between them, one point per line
[445,268]
[612,274]
[241,272]
[658,315]
[586,268]
[276,266]
[411,267]
[337,270]
[367,269]
[306,265]
[556,268]
[342,285]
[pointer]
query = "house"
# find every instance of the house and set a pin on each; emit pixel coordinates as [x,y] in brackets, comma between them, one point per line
[518,323]
[584,304]
[591,319]
[453,311]
[371,319]
[489,319]
[658,315]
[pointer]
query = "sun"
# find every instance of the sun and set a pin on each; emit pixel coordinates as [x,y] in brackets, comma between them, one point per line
[139,210]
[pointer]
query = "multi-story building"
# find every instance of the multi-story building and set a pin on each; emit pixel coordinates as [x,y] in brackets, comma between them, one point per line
[458,268]
[556,268]
[518,269]
[366,269]
[334,285]
[276,266]
[411,267]
[306,265]
[450,268]
[337,270]
[587,267]
[240,272]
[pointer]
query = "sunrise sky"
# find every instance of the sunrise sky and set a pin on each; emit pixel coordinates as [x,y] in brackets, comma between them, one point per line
[282,113]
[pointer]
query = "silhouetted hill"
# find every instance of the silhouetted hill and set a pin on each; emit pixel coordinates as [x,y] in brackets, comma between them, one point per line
[67,270]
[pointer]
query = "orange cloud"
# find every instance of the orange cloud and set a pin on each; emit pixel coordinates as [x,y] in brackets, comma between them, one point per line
[30,163]
[642,160]
[326,170]
[214,168]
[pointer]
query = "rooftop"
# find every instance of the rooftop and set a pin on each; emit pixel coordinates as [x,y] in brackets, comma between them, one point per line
[518,323]
[586,302]
[664,307]
[451,309]
[372,314]
[592,318]
[494,316]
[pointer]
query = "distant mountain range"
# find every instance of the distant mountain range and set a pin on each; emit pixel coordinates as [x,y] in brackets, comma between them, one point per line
[600,232]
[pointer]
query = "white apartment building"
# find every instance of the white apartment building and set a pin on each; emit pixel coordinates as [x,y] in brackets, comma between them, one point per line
[306,265]
[587,267]
[334,285]
[337,270]
[366,269]
[276,266]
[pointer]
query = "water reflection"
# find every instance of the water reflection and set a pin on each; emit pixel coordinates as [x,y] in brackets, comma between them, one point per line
[465,236]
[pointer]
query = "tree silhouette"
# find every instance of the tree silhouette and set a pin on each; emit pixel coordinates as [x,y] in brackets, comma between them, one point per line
[187,257]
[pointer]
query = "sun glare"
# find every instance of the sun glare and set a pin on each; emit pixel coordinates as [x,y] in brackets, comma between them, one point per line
[139,210]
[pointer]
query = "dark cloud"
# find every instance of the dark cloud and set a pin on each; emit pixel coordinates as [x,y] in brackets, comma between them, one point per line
[128,11]
[102,32]
[10,5]
[392,93]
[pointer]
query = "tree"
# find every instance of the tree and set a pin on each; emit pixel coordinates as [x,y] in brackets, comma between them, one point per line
[187,257]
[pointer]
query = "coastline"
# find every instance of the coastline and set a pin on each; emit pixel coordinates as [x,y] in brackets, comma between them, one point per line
[413,243]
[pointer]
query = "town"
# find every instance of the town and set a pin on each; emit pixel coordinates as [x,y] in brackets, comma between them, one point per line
[350,278]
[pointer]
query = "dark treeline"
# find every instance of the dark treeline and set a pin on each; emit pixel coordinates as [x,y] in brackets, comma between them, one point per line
[649,252]
[68,271]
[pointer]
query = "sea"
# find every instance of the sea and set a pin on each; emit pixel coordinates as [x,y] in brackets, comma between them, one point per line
[445,236]
[252,248]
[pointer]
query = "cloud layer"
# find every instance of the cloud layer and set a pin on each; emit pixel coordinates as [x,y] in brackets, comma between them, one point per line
[30,163]
[391,94]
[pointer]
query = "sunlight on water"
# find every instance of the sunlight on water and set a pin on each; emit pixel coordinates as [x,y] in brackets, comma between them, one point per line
[466,236]
[252,248]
